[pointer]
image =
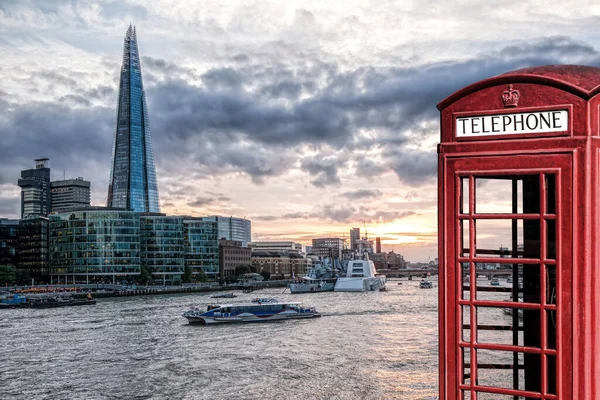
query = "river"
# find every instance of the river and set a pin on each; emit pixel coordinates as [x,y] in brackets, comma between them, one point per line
[377,345]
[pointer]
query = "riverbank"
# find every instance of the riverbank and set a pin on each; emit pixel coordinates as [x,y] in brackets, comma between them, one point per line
[106,291]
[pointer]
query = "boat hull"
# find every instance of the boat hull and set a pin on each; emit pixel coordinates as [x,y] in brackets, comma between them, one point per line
[247,317]
[311,287]
[359,284]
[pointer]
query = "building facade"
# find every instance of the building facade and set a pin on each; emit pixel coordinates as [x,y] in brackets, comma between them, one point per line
[132,184]
[276,246]
[95,245]
[35,190]
[69,194]
[231,256]
[231,228]
[9,229]
[280,264]
[201,246]
[328,247]
[354,238]
[33,258]
[161,247]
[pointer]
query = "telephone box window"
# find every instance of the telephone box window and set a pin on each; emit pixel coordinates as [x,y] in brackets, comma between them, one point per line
[507,263]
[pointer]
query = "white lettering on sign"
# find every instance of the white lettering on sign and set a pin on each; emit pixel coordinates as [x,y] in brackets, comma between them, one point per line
[509,124]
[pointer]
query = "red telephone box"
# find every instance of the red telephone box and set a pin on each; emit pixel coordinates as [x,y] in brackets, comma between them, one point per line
[519,180]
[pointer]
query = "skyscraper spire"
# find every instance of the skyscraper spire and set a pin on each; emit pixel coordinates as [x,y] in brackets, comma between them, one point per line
[133,175]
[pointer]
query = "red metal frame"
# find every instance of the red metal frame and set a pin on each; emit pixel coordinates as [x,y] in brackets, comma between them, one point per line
[569,364]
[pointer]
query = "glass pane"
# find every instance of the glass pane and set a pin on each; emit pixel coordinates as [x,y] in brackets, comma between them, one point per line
[551,381]
[550,194]
[494,196]
[494,328]
[494,238]
[498,369]
[464,228]
[551,237]
[466,354]
[464,204]
[465,280]
[466,321]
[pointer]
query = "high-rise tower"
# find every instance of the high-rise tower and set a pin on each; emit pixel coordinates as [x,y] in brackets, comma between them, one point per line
[133,175]
[35,190]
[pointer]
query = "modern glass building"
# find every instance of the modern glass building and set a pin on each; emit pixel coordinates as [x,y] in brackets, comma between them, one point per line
[95,245]
[231,228]
[161,239]
[9,229]
[132,183]
[201,246]
[32,248]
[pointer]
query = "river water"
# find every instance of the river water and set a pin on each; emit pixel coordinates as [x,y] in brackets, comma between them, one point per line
[377,345]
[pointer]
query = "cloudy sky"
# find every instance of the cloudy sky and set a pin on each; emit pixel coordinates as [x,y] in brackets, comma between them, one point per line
[307,117]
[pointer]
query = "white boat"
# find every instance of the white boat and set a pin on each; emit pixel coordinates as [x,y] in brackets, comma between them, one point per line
[250,312]
[361,276]
[425,285]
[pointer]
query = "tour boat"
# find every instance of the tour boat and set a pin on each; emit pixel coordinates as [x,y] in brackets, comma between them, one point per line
[361,276]
[250,312]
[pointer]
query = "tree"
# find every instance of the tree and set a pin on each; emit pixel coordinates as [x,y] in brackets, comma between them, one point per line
[23,276]
[8,274]
[188,275]
[241,270]
[145,276]
[266,274]
[201,276]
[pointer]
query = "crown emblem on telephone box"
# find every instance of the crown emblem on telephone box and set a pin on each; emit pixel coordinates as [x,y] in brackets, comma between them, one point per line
[510,97]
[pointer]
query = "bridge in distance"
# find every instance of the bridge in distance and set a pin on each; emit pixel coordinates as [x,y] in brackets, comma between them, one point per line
[400,273]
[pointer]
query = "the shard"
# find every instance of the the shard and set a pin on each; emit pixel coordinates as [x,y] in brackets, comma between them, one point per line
[133,175]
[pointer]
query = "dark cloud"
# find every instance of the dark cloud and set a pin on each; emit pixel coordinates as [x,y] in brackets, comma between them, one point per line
[75,100]
[323,171]
[256,118]
[362,194]
[201,202]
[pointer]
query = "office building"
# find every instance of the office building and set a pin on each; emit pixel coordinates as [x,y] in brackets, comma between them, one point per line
[33,259]
[201,246]
[69,194]
[161,247]
[9,229]
[378,245]
[132,182]
[231,256]
[231,228]
[280,264]
[328,247]
[276,246]
[95,244]
[354,238]
[35,190]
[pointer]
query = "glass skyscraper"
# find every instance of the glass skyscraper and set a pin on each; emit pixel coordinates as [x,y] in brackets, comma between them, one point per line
[133,175]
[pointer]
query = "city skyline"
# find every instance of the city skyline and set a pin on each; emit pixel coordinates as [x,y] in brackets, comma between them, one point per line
[308,120]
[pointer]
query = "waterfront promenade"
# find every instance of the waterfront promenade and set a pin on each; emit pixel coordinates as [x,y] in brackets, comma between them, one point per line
[109,290]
